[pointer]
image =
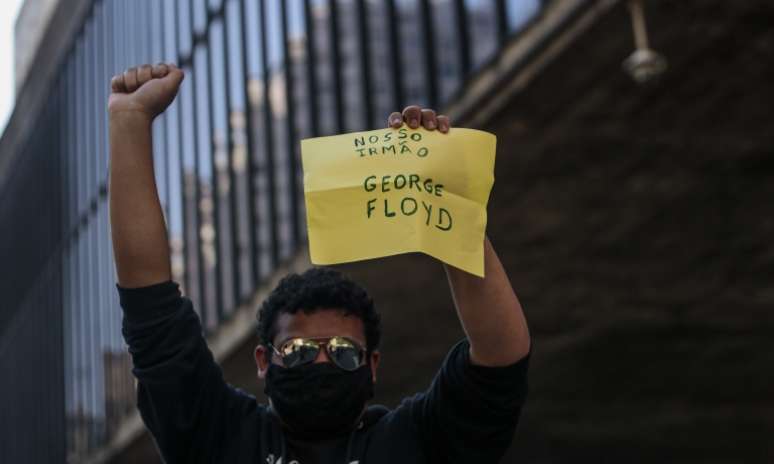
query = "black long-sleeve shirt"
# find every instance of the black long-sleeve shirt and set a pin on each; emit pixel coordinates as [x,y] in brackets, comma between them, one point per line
[469,413]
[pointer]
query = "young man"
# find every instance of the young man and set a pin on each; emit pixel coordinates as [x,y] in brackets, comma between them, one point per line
[319,340]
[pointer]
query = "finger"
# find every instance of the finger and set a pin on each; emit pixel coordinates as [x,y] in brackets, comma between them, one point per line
[443,123]
[130,80]
[428,119]
[395,120]
[412,115]
[117,83]
[144,74]
[175,75]
[177,72]
[159,70]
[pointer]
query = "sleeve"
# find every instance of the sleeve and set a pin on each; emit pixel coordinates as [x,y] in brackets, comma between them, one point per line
[470,412]
[181,394]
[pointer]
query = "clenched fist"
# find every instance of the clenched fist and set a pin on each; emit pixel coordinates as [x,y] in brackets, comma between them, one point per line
[146,89]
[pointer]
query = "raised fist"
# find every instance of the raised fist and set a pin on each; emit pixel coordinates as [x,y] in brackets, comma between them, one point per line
[145,89]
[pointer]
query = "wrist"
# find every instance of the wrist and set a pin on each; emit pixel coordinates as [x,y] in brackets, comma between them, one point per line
[130,118]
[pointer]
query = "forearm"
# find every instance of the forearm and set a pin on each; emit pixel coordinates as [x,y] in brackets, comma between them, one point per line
[490,313]
[140,244]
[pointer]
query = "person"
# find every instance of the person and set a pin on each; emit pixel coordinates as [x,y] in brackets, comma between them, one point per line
[319,339]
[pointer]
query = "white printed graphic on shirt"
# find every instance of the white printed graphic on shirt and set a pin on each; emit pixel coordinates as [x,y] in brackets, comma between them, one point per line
[270,460]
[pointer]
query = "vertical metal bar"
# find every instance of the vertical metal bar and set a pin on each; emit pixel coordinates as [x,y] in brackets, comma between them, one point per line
[60,337]
[291,130]
[48,314]
[169,121]
[251,171]
[129,58]
[116,53]
[87,157]
[214,189]
[431,65]
[395,56]
[100,106]
[228,250]
[159,160]
[183,206]
[91,207]
[502,21]
[365,61]
[42,325]
[73,245]
[48,311]
[155,23]
[311,69]
[122,57]
[37,374]
[269,135]
[110,311]
[235,258]
[98,288]
[463,37]
[69,119]
[96,245]
[333,21]
[80,336]
[84,308]
[195,115]
[158,15]
[85,239]
[81,386]
[102,238]
[42,376]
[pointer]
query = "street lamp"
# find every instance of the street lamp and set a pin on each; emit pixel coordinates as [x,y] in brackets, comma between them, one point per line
[643,64]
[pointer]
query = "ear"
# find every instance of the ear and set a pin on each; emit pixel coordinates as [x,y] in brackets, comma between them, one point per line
[374,364]
[261,361]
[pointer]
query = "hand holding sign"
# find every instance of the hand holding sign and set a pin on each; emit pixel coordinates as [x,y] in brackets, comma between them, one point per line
[398,190]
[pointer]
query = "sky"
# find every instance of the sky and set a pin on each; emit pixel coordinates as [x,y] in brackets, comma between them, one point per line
[7,18]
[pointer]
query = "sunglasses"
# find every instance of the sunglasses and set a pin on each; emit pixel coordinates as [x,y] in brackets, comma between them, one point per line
[343,352]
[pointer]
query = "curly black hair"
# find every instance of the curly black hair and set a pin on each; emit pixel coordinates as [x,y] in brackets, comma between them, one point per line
[316,288]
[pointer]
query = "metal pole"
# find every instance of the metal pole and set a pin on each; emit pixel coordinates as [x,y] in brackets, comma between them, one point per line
[365,61]
[395,55]
[291,129]
[186,246]
[333,21]
[156,22]
[267,113]
[214,184]
[431,67]
[251,170]
[235,259]
[463,37]
[502,21]
[195,115]
[311,69]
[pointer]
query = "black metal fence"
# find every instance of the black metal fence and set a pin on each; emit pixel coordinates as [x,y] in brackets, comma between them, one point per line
[261,74]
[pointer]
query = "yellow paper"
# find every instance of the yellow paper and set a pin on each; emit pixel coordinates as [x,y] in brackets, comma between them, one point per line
[390,191]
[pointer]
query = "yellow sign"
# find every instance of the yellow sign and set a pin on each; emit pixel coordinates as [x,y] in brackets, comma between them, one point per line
[390,191]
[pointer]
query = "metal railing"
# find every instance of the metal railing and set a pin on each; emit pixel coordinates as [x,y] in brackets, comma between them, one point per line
[260,75]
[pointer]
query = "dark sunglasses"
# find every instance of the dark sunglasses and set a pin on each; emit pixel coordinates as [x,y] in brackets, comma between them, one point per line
[345,353]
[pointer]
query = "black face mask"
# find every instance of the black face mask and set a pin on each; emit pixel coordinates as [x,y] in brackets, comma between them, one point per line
[319,400]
